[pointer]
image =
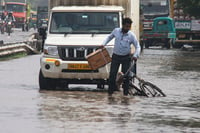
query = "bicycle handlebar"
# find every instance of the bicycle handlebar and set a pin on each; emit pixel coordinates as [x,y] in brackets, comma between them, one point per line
[133,65]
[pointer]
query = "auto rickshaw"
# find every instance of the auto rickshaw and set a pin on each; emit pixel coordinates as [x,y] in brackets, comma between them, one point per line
[163,33]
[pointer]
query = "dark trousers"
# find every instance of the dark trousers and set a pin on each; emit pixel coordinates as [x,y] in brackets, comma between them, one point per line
[116,61]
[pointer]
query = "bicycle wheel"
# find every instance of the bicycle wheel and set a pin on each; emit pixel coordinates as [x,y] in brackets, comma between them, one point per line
[135,91]
[151,90]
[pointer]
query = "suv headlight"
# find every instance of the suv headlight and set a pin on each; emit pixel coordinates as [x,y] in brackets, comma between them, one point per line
[51,50]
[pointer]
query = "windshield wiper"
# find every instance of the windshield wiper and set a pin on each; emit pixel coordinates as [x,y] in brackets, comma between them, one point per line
[94,32]
[66,33]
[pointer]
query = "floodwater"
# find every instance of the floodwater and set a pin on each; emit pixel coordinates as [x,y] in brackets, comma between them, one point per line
[16,36]
[26,110]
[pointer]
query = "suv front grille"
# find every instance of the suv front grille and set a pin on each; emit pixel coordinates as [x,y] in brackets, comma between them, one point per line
[75,53]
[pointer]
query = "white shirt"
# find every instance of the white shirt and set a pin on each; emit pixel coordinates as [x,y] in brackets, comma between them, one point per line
[123,42]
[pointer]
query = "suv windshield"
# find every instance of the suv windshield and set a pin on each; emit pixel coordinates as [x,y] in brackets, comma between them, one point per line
[83,22]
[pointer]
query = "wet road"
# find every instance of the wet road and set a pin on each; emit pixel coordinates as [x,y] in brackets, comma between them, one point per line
[26,110]
[16,36]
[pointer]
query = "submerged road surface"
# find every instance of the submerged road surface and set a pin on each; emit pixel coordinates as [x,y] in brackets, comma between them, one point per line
[16,36]
[26,110]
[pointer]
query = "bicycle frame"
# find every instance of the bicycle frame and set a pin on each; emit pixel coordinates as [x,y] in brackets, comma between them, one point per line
[144,89]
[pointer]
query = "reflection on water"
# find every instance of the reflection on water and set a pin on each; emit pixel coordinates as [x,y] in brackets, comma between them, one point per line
[87,110]
[176,72]
[187,61]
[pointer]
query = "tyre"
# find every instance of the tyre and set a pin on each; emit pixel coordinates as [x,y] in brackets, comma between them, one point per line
[23,29]
[146,45]
[9,30]
[151,90]
[178,45]
[135,91]
[46,83]
[141,45]
[168,45]
[100,86]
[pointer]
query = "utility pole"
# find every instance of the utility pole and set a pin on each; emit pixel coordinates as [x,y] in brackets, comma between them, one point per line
[2,2]
[135,13]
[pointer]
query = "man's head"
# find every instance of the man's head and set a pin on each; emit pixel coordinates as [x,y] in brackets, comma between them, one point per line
[10,14]
[126,25]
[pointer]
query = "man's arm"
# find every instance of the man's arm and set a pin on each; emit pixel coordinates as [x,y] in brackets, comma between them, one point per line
[14,19]
[109,38]
[137,47]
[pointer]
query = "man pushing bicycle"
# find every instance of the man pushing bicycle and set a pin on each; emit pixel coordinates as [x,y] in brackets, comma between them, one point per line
[124,38]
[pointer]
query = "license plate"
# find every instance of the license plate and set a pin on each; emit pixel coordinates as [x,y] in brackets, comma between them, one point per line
[181,35]
[79,67]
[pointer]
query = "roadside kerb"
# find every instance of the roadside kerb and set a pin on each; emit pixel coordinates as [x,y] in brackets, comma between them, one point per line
[28,47]
[31,46]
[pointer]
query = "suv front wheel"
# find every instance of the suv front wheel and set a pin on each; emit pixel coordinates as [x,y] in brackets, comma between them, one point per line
[46,83]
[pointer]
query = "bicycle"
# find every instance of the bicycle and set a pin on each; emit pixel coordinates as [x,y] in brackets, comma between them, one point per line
[144,88]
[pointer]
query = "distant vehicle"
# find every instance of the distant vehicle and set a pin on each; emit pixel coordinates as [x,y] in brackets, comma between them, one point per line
[2,26]
[9,25]
[33,21]
[2,22]
[163,33]
[20,12]
[1,11]
[187,27]
[42,22]
[152,9]
[42,16]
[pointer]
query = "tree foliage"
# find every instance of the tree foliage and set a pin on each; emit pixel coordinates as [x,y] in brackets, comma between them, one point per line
[192,7]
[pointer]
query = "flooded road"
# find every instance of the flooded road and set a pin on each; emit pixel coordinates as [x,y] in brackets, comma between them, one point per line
[26,110]
[16,36]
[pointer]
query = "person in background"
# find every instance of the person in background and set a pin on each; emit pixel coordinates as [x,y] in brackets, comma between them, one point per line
[10,17]
[124,38]
[2,16]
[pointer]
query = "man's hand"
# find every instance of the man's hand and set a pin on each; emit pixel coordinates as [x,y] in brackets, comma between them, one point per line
[133,59]
[101,47]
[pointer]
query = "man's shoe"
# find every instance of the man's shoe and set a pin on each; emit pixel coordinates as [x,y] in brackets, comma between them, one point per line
[109,94]
[125,93]
[117,89]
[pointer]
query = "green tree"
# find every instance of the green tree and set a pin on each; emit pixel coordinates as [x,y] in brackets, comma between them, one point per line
[191,7]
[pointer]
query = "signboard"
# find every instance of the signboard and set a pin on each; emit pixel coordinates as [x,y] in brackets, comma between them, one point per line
[183,25]
[147,25]
[21,1]
[195,25]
